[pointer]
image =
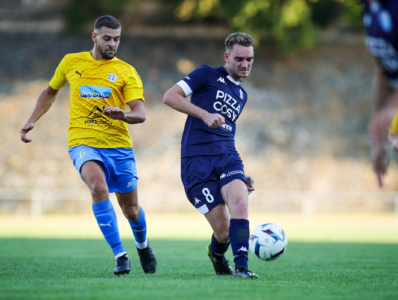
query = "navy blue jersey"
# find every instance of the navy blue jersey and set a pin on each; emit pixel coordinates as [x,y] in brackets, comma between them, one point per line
[381,22]
[213,90]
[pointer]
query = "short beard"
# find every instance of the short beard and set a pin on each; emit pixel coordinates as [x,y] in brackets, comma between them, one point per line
[103,53]
[236,73]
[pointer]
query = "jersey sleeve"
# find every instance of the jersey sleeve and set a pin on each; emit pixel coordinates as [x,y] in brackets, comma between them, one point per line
[195,80]
[59,79]
[133,89]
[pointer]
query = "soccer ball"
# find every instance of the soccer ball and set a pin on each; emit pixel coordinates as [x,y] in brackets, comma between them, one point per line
[268,241]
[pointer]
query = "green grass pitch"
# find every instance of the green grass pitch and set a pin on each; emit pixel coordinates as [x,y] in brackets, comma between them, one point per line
[83,269]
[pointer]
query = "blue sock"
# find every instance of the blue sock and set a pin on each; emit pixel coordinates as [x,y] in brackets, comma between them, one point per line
[218,248]
[106,218]
[239,236]
[139,230]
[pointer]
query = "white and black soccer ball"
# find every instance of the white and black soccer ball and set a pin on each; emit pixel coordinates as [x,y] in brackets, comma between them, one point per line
[268,241]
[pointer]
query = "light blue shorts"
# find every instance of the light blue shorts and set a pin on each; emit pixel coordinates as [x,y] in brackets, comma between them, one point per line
[119,165]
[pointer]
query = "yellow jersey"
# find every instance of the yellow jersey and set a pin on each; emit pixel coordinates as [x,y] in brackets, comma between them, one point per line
[95,85]
[394,124]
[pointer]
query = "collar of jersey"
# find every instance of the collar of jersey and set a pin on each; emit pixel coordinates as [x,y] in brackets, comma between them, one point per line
[101,61]
[229,76]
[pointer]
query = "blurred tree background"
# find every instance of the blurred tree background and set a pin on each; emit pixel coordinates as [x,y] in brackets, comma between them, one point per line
[79,13]
[304,128]
[286,24]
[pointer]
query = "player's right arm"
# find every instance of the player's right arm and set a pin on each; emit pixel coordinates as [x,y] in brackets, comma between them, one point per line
[382,90]
[46,98]
[175,98]
[386,104]
[43,104]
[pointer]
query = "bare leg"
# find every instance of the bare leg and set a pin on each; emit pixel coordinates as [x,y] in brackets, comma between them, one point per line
[93,174]
[129,204]
[235,195]
[218,219]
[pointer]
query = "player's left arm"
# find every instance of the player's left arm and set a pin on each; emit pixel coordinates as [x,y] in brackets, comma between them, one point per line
[135,115]
[386,103]
[378,128]
[250,184]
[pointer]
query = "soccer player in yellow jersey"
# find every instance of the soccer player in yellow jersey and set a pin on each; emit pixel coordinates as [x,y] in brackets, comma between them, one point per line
[100,145]
[393,132]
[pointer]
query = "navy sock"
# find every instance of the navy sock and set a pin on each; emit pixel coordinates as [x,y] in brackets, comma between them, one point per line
[107,222]
[239,236]
[218,248]
[139,230]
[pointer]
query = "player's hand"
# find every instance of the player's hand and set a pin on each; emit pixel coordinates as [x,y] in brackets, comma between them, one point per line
[393,138]
[25,129]
[250,184]
[213,120]
[378,132]
[380,162]
[114,113]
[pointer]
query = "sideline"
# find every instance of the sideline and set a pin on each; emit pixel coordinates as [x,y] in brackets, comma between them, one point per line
[376,228]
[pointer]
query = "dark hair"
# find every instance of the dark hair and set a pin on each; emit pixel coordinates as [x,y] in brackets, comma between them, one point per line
[107,21]
[242,39]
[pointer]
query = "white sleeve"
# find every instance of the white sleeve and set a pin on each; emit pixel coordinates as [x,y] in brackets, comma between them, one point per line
[185,87]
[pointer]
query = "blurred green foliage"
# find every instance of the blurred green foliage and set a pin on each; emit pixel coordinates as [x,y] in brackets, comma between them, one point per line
[287,24]
[82,12]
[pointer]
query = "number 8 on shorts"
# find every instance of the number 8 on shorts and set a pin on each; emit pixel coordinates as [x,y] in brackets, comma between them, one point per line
[208,195]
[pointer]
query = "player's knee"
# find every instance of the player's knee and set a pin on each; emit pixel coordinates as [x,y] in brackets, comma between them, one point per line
[240,209]
[242,205]
[99,190]
[131,212]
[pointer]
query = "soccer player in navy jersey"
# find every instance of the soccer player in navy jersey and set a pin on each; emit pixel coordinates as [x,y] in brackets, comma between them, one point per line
[211,169]
[380,19]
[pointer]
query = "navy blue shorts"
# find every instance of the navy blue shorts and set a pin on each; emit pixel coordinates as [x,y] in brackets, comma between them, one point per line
[119,165]
[204,176]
